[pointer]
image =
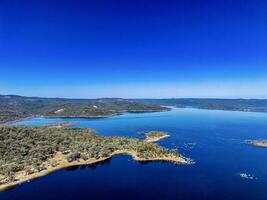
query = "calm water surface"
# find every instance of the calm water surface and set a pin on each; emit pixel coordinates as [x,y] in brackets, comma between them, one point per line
[213,139]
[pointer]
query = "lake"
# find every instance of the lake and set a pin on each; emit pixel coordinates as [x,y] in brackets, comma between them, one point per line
[215,140]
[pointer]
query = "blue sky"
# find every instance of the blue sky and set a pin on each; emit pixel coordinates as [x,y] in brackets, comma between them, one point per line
[134,49]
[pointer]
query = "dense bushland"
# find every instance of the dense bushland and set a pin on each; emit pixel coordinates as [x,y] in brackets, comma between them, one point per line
[27,148]
[17,107]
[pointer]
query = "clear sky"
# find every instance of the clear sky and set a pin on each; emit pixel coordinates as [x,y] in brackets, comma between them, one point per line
[134,49]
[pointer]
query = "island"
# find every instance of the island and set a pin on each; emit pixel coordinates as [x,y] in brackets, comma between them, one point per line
[258,143]
[154,136]
[30,152]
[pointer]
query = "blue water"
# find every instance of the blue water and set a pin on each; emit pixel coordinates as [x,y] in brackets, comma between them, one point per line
[213,139]
[253,107]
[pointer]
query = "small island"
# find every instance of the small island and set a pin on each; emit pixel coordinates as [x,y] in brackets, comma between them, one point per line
[27,153]
[154,136]
[259,143]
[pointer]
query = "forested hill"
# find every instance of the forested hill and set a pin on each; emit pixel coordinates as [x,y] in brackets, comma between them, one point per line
[14,107]
[259,105]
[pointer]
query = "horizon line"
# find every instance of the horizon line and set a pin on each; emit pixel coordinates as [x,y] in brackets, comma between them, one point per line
[84,98]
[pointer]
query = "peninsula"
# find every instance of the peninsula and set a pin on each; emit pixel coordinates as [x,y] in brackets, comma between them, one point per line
[259,143]
[13,107]
[37,151]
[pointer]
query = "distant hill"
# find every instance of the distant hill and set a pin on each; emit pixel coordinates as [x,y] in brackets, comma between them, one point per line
[259,105]
[14,107]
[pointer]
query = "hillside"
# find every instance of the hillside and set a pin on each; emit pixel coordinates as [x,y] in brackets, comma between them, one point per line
[259,105]
[17,107]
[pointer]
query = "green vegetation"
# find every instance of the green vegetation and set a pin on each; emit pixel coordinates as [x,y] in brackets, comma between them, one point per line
[156,134]
[17,107]
[259,105]
[153,136]
[26,149]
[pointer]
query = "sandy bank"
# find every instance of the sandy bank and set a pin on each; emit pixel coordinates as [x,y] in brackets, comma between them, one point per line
[155,139]
[62,163]
[259,143]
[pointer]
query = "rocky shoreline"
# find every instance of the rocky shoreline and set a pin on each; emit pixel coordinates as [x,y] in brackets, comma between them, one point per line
[258,143]
[54,147]
[62,163]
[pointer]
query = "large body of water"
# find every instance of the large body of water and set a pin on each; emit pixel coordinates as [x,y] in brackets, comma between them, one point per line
[215,140]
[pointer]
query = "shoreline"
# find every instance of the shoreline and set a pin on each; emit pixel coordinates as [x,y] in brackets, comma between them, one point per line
[12,122]
[258,143]
[155,139]
[235,110]
[65,164]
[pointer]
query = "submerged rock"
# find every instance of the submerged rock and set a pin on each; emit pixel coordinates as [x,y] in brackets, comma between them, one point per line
[247,176]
